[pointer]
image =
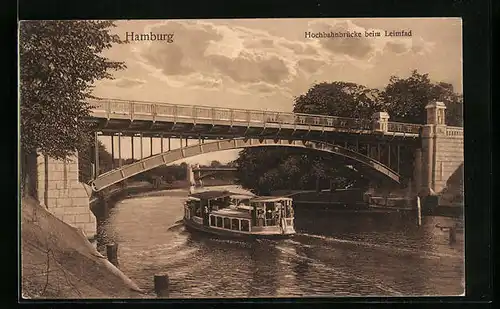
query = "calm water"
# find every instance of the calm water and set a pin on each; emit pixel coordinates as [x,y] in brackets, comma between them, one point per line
[332,255]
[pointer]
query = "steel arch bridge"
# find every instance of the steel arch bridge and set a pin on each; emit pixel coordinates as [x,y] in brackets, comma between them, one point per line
[360,161]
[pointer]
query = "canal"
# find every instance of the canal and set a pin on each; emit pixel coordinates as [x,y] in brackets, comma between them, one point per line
[333,254]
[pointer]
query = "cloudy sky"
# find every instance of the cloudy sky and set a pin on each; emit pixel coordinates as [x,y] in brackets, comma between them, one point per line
[265,63]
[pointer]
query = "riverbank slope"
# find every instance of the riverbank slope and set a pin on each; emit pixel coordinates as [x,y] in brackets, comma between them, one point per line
[58,261]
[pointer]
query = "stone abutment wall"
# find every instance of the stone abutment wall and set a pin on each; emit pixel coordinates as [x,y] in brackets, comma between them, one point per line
[63,195]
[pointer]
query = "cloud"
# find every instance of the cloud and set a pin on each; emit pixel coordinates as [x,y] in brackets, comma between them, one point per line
[300,48]
[358,48]
[262,43]
[396,47]
[218,56]
[420,46]
[126,82]
[262,88]
[208,54]
[190,42]
[310,65]
[365,49]
[249,68]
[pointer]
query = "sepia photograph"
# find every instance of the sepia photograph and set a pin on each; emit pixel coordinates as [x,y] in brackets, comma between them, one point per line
[241,158]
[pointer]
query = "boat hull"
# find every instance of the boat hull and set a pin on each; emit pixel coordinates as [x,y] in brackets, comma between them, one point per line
[193,226]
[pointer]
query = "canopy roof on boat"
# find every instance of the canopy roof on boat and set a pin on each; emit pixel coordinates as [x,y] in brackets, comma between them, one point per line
[240,196]
[210,195]
[262,199]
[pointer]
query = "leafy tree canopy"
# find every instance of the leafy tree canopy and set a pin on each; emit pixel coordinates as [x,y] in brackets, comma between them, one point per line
[59,63]
[339,99]
[406,99]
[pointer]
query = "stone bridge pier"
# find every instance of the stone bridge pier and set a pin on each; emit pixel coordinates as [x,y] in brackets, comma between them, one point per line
[439,163]
[63,195]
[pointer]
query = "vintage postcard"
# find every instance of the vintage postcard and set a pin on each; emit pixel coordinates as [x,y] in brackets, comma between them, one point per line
[241,158]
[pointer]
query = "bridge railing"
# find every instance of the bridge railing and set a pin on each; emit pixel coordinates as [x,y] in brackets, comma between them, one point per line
[454,131]
[131,108]
[402,127]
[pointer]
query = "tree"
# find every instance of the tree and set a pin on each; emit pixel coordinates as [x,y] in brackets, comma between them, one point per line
[339,99]
[406,99]
[85,160]
[295,169]
[59,63]
[269,169]
[445,93]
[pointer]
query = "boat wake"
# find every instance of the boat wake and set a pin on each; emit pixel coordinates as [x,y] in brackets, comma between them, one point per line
[177,225]
[232,242]
[317,263]
[294,242]
[378,246]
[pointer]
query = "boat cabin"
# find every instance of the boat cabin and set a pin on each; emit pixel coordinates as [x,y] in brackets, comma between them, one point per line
[268,211]
[223,210]
[199,205]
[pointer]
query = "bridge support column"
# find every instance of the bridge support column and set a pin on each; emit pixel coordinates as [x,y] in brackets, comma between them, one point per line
[112,151]
[119,150]
[142,148]
[132,146]
[96,156]
[443,151]
[417,171]
[63,195]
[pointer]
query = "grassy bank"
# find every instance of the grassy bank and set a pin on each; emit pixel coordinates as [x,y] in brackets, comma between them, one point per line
[57,261]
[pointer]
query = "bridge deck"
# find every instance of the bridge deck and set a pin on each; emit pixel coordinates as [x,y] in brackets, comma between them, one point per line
[133,113]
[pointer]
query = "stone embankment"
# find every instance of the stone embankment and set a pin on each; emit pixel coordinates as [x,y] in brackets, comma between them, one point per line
[58,262]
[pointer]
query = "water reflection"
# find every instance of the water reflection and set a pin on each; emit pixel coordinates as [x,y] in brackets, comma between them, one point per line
[264,260]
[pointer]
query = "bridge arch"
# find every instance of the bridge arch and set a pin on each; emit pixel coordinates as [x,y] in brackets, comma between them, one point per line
[112,177]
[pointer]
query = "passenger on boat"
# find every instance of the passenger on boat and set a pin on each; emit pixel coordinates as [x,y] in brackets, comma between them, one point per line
[260,217]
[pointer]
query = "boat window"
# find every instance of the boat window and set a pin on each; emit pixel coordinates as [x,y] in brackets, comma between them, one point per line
[212,220]
[219,221]
[235,224]
[227,223]
[271,218]
[245,225]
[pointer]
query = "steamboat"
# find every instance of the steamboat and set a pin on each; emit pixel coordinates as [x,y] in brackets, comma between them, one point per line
[224,213]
